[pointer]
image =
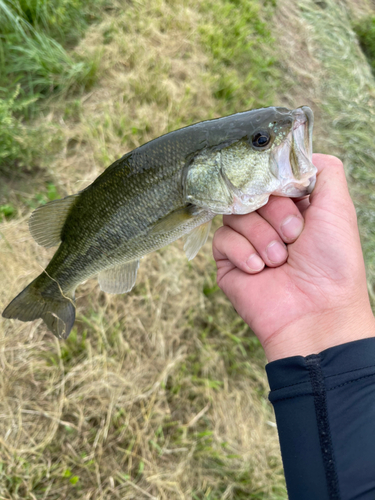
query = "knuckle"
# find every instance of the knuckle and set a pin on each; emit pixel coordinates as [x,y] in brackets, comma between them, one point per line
[335,162]
[277,207]
[219,235]
[272,201]
[258,228]
[221,242]
[222,230]
[219,277]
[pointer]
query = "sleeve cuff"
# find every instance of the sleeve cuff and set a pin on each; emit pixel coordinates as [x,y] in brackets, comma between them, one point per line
[289,377]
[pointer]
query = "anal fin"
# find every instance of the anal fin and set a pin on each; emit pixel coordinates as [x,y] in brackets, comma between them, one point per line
[119,279]
[196,239]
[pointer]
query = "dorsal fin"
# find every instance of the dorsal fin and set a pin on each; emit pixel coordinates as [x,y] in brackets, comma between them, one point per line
[46,222]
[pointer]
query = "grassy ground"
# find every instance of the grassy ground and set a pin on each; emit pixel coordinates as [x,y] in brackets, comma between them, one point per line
[35,64]
[340,87]
[161,393]
[349,109]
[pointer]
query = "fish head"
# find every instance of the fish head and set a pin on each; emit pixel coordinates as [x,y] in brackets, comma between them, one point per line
[292,159]
[274,158]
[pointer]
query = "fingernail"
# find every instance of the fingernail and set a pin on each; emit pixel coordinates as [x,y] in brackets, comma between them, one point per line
[254,262]
[292,227]
[276,252]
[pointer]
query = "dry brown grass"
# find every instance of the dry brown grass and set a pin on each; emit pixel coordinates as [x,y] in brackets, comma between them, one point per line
[149,405]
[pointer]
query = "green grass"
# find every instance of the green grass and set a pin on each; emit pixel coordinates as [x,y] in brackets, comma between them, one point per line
[365,31]
[43,66]
[347,89]
[15,144]
[34,64]
[241,68]
[33,33]
[62,20]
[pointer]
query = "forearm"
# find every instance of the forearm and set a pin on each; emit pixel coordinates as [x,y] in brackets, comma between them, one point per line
[325,412]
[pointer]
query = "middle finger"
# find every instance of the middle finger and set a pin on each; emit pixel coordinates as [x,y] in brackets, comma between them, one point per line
[261,235]
[284,216]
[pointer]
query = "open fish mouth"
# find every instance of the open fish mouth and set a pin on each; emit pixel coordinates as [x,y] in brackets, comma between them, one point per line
[296,172]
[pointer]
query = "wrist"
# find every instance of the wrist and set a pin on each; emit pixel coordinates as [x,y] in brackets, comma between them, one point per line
[314,333]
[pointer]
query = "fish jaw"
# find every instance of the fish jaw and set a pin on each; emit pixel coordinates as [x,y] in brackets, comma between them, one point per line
[293,159]
[245,204]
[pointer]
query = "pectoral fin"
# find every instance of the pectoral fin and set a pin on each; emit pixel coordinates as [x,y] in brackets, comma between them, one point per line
[119,279]
[174,220]
[196,239]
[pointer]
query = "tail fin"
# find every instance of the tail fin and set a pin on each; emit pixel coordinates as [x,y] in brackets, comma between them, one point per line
[43,299]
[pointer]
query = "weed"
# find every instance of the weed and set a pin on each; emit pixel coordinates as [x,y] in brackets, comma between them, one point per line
[7,210]
[34,64]
[347,103]
[62,20]
[43,66]
[16,145]
[365,30]
[31,56]
[241,70]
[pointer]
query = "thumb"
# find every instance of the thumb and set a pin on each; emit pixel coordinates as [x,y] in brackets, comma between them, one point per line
[331,190]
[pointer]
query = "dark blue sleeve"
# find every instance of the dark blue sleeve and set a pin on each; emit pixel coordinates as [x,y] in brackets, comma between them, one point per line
[325,414]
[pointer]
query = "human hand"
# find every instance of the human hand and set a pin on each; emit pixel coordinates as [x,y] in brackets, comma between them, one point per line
[312,294]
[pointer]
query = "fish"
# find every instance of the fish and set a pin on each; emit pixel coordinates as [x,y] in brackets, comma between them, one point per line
[170,187]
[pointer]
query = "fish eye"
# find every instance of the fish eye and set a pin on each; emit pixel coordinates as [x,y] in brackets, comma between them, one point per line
[261,139]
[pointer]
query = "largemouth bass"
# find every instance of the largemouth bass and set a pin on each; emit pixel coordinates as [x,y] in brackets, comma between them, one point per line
[170,187]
